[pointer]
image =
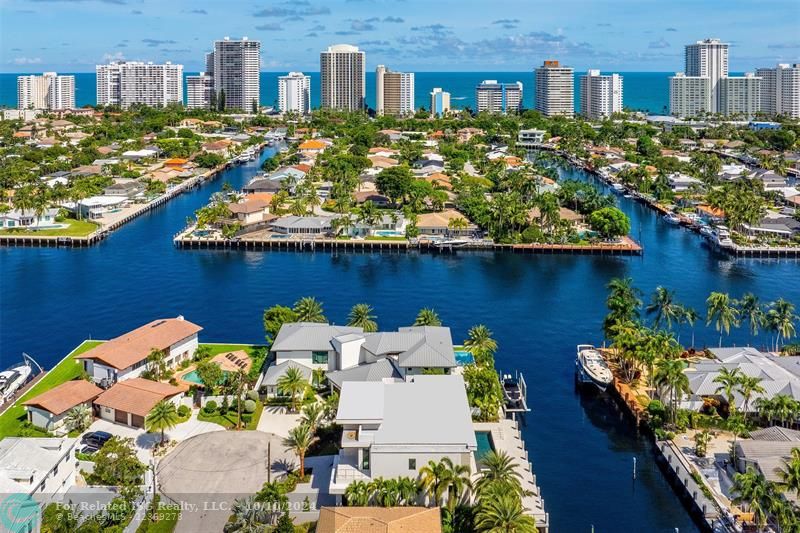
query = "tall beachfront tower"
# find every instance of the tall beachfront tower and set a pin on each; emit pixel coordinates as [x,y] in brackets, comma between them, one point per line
[494,97]
[342,77]
[125,83]
[709,59]
[199,89]
[780,89]
[235,65]
[48,91]
[601,95]
[555,89]
[394,92]
[294,93]
[440,102]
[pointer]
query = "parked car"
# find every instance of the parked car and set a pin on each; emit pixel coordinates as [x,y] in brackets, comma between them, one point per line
[88,449]
[96,439]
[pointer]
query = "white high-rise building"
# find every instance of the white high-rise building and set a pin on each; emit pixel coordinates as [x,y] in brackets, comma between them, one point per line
[294,93]
[709,58]
[48,91]
[199,91]
[601,95]
[394,92]
[440,102]
[689,96]
[555,89]
[740,95]
[494,97]
[126,83]
[780,90]
[235,65]
[342,77]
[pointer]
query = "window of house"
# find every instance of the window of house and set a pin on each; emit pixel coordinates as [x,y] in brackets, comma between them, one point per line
[365,460]
[412,464]
[319,358]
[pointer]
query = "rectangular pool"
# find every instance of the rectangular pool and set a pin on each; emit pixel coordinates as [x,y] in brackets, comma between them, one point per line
[485,444]
[463,357]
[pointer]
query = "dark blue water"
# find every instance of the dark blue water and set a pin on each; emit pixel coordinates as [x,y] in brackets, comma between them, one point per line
[539,308]
[648,91]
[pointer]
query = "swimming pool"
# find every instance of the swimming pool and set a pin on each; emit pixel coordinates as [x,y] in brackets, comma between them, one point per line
[485,444]
[193,377]
[463,357]
[388,233]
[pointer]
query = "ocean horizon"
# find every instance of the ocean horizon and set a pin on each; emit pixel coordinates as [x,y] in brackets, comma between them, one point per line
[642,91]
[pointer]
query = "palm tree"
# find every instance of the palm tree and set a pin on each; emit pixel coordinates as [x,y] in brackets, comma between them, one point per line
[318,377]
[669,374]
[434,481]
[790,473]
[691,316]
[78,418]
[728,384]
[248,516]
[623,304]
[753,490]
[427,317]
[750,310]
[241,380]
[408,489]
[357,494]
[781,407]
[781,319]
[722,312]
[459,482]
[504,513]
[498,468]
[308,309]
[664,308]
[293,382]
[163,416]
[156,363]
[748,385]
[300,440]
[480,343]
[361,316]
[312,414]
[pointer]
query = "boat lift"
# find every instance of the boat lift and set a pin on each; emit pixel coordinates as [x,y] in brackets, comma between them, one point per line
[515,393]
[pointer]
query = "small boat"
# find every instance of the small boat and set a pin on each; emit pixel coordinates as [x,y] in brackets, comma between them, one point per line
[672,218]
[618,187]
[706,231]
[592,368]
[16,376]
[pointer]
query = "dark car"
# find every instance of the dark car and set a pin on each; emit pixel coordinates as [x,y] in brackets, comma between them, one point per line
[96,439]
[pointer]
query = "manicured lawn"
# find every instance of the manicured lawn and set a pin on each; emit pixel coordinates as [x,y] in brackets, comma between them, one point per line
[228,420]
[68,369]
[162,520]
[77,228]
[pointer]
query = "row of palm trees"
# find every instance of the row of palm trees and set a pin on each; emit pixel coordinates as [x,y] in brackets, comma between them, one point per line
[490,501]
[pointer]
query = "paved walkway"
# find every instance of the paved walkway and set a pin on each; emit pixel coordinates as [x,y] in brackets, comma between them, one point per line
[276,420]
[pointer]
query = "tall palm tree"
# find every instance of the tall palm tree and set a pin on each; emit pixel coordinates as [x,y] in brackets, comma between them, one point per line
[498,468]
[723,312]
[163,416]
[753,490]
[240,381]
[790,473]
[427,317]
[362,316]
[728,385]
[156,363]
[434,481]
[480,343]
[749,385]
[459,482]
[669,375]
[292,383]
[503,513]
[781,318]
[750,310]
[357,494]
[664,308]
[308,309]
[623,302]
[299,440]
[78,418]
[691,316]
[312,414]
[248,516]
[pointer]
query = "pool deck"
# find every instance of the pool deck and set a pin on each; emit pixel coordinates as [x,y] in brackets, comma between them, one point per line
[226,364]
[507,437]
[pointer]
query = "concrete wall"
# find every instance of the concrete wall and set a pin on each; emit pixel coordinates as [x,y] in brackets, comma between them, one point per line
[390,465]
[46,420]
[182,350]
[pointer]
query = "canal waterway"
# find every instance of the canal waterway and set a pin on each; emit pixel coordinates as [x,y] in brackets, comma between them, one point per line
[539,308]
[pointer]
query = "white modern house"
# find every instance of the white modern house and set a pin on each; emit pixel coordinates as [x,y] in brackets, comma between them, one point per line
[393,428]
[16,218]
[36,472]
[125,357]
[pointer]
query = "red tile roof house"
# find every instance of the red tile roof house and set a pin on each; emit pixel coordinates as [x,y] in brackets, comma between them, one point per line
[129,402]
[125,357]
[48,410]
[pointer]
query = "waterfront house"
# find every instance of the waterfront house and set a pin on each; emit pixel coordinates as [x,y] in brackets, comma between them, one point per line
[221,147]
[125,357]
[774,224]
[294,225]
[129,402]
[42,468]
[96,207]
[16,218]
[269,385]
[530,138]
[250,212]
[379,520]
[439,224]
[309,343]
[392,429]
[126,188]
[679,182]
[48,410]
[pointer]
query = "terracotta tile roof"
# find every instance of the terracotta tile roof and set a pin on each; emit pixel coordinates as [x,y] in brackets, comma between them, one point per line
[442,180]
[64,397]
[378,149]
[248,206]
[383,162]
[312,145]
[137,396]
[439,220]
[265,197]
[302,168]
[176,161]
[134,346]
[379,520]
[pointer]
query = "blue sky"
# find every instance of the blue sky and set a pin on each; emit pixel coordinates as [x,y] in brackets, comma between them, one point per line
[422,35]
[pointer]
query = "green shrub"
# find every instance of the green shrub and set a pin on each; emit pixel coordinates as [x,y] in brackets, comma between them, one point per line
[210,407]
[247,418]
[249,406]
[252,395]
[183,411]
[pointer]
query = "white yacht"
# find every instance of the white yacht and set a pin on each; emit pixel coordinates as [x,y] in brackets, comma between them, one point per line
[721,237]
[13,378]
[592,368]
[672,218]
